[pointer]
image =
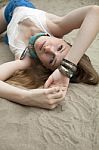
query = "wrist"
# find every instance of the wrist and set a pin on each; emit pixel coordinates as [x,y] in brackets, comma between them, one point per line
[67,68]
[71,57]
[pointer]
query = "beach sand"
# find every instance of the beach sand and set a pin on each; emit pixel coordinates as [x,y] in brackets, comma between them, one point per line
[74,125]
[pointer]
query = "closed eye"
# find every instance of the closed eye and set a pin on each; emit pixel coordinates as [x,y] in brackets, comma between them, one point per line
[60,47]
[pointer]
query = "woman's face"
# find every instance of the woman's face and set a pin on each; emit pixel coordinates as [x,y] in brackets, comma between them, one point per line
[51,51]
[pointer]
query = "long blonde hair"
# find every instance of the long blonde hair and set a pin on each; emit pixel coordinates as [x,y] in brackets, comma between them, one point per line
[36,76]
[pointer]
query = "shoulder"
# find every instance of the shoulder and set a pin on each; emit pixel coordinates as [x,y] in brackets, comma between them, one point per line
[53,24]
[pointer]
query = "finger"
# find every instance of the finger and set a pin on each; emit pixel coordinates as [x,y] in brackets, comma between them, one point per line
[56,95]
[48,82]
[61,98]
[52,90]
[64,89]
[52,106]
[56,101]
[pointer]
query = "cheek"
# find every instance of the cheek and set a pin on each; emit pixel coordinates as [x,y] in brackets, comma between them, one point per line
[44,59]
[64,54]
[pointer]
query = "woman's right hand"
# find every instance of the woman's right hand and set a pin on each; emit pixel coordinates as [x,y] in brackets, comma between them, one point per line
[45,98]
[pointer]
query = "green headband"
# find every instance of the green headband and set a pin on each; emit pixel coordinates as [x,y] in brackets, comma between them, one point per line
[32,41]
[30,47]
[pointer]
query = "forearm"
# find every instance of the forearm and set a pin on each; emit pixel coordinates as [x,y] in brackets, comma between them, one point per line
[86,34]
[44,98]
[7,69]
[12,93]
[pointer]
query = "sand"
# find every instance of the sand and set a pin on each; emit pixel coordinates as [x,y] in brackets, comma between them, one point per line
[72,126]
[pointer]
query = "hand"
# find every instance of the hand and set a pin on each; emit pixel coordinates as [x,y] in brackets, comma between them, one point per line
[58,79]
[44,98]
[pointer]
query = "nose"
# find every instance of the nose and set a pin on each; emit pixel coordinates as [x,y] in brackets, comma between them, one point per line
[50,49]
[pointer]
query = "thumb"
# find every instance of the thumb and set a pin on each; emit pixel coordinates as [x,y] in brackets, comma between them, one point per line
[48,82]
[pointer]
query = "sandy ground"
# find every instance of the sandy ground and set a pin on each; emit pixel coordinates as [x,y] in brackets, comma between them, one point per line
[74,126]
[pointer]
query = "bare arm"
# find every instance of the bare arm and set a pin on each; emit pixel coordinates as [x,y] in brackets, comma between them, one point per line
[73,19]
[87,19]
[44,98]
[7,69]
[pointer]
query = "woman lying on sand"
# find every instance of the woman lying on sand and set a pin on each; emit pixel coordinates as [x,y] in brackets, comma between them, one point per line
[42,57]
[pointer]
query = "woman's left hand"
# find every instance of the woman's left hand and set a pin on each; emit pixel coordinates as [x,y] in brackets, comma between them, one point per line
[57,79]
